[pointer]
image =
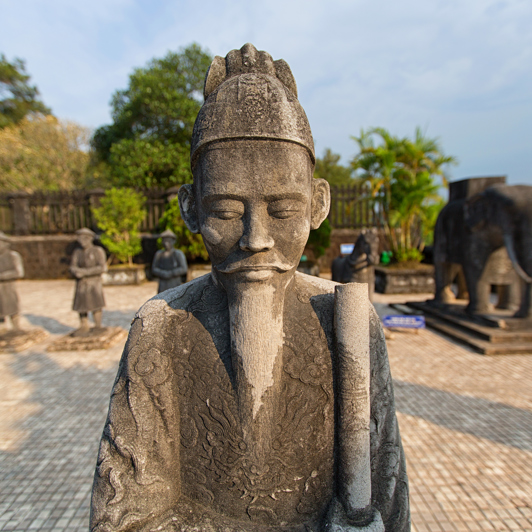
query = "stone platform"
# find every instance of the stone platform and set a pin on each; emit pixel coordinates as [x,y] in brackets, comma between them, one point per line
[465,421]
[496,333]
[101,338]
[16,341]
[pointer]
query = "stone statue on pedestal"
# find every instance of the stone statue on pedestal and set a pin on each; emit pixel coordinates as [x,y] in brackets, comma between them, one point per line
[359,265]
[169,264]
[87,265]
[11,269]
[256,398]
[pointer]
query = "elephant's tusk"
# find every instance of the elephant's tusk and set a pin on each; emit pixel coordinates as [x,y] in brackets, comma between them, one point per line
[511,253]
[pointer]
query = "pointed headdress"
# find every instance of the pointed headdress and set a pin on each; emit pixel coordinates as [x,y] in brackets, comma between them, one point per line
[248,95]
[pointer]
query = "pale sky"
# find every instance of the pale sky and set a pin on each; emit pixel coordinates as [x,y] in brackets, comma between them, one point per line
[460,69]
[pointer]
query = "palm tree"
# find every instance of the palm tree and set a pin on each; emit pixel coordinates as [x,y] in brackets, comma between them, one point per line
[402,176]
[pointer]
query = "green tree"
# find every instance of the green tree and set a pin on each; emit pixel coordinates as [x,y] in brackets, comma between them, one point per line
[329,168]
[119,216]
[17,97]
[402,174]
[189,243]
[148,142]
[320,239]
[43,153]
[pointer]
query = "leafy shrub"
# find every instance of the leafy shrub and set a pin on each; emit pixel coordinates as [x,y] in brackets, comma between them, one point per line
[320,239]
[120,213]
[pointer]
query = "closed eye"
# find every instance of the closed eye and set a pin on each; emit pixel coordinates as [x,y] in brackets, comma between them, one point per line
[227,215]
[283,209]
[227,209]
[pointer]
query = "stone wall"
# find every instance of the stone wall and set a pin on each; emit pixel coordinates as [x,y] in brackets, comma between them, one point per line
[48,257]
[45,257]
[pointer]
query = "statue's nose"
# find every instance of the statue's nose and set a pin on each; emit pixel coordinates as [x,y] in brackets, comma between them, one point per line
[256,236]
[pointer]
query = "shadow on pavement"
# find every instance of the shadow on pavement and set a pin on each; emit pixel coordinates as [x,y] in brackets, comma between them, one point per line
[50,324]
[482,418]
[53,461]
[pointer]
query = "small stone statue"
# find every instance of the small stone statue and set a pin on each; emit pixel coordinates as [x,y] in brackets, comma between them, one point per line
[169,264]
[87,265]
[11,269]
[359,266]
[256,398]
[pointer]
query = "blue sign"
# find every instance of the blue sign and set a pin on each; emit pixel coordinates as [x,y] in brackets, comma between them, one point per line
[347,249]
[407,322]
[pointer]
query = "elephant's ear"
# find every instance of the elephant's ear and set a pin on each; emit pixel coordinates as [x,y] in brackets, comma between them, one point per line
[476,211]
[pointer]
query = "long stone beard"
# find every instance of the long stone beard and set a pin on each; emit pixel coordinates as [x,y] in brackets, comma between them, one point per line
[256,324]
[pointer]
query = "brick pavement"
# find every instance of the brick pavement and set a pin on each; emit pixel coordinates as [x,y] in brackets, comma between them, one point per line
[466,423]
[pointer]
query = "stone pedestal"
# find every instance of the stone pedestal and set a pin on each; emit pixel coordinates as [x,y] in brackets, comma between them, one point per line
[123,275]
[392,280]
[15,341]
[97,338]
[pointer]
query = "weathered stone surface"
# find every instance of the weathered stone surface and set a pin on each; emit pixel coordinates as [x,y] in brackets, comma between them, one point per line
[124,275]
[469,231]
[169,264]
[359,266]
[224,414]
[96,338]
[87,266]
[11,269]
[404,280]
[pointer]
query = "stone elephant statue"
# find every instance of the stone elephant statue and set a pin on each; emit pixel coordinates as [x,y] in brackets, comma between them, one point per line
[358,267]
[467,233]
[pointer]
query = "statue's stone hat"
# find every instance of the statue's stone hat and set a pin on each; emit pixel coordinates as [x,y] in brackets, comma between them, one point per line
[168,233]
[249,95]
[85,231]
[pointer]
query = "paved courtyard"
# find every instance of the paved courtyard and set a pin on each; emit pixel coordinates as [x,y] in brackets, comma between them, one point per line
[466,423]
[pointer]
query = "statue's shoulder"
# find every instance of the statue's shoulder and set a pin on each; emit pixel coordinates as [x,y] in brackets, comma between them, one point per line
[313,286]
[15,255]
[176,300]
[99,251]
[316,291]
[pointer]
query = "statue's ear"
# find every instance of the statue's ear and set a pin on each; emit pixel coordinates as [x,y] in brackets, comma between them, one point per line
[321,202]
[187,205]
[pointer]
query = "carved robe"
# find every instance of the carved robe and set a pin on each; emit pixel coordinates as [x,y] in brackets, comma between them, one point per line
[173,456]
[90,263]
[170,266]
[11,268]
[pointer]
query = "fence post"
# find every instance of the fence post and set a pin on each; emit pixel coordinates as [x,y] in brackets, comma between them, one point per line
[94,196]
[20,208]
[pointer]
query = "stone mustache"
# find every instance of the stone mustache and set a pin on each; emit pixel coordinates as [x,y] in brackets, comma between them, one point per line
[253,399]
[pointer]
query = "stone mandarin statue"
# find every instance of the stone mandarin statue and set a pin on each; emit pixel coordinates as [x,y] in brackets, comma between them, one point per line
[169,264]
[87,265]
[249,399]
[11,269]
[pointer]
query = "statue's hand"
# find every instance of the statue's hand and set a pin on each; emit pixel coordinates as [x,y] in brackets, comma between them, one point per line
[337,520]
[77,273]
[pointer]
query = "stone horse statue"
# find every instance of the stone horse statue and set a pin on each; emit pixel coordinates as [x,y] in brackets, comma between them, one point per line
[359,266]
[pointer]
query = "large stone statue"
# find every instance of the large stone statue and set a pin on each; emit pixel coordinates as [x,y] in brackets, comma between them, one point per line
[169,264]
[359,266]
[470,231]
[251,399]
[87,265]
[11,269]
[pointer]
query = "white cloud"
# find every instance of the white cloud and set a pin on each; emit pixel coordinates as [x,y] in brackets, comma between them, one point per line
[459,69]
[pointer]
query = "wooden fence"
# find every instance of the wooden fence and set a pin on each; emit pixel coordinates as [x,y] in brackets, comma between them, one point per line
[48,213]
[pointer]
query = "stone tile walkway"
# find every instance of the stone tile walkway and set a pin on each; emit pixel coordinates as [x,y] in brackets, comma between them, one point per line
[466,423]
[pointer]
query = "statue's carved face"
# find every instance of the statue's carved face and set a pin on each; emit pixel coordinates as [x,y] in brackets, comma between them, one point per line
[85,241]
[168,243]
[254,203]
